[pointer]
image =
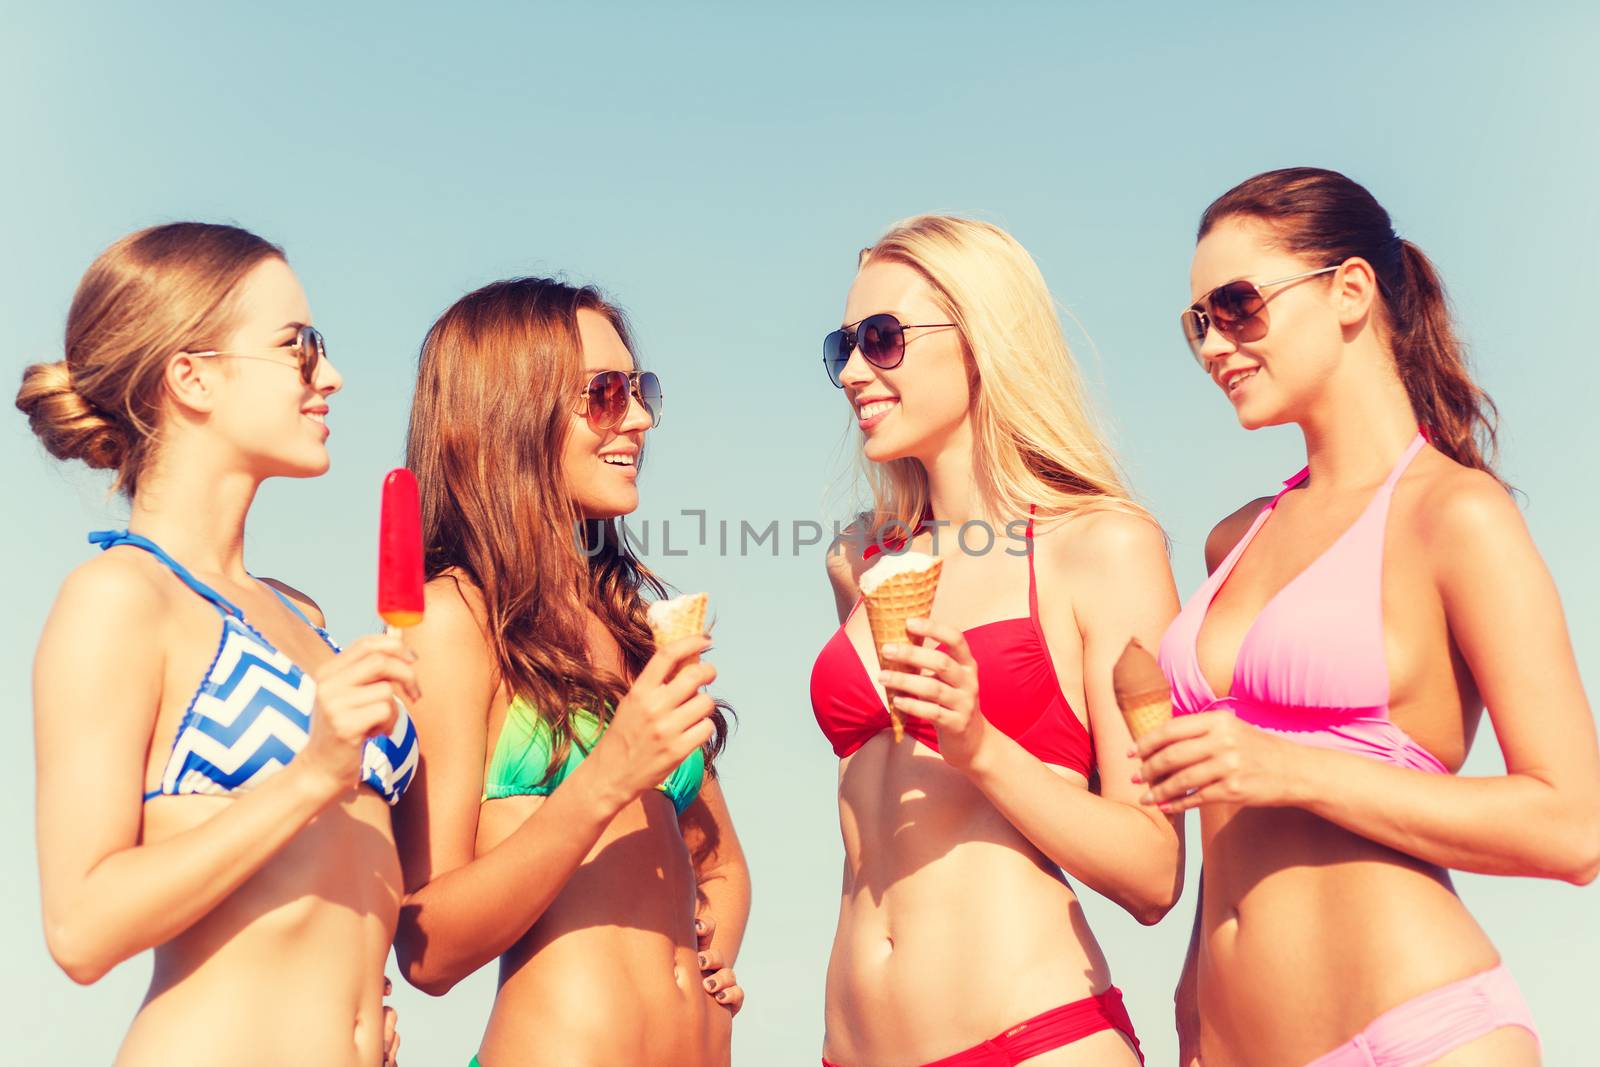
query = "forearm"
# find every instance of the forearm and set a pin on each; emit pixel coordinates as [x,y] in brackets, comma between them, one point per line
[724,895]
[1453,822]
[145,896]
[1128,854]
[463,919]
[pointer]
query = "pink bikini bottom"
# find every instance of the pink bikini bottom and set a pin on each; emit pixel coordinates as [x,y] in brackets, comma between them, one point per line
[1424,1028]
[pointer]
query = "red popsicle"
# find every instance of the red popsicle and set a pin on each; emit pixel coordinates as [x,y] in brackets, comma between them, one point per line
[400,551]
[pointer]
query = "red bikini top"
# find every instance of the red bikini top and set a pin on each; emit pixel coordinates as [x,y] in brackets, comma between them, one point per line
[1017,690]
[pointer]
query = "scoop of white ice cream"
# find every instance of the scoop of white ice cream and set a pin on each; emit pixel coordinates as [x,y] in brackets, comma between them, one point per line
[889,566]
[662,614]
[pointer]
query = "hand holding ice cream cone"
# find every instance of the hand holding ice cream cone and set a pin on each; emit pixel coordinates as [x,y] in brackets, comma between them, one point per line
[895,589]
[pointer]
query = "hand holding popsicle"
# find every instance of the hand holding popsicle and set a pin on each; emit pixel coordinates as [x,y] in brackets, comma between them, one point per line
[400,573]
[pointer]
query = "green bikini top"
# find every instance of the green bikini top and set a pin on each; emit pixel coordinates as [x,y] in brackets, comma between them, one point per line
[522,755]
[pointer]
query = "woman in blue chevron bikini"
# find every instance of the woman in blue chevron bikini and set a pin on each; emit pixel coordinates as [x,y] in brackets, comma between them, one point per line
[214,775]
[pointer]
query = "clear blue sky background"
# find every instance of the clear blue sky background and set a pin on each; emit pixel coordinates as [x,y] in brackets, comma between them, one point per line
[716,170]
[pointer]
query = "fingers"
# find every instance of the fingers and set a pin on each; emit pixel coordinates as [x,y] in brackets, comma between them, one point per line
[388,986]
[917,656]
[687,682]
[710,960]
[1184,786]
[670,656]
[724,988]
[918,686]
[391,1037]
[937,714]
[1174,758]
[371,666]
[1175,729]
[954,641]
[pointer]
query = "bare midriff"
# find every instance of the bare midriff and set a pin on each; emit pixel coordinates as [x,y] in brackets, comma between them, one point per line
[952,926]
[288,968]
[609,973]
[1293,902]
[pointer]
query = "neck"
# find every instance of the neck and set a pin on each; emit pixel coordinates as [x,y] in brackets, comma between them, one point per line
[1358,427]
[952,489]
[196,511]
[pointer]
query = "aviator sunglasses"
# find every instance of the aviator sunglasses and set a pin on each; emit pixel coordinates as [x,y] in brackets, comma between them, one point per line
[308,349]
[605,401]
[1237,310]
[881,338]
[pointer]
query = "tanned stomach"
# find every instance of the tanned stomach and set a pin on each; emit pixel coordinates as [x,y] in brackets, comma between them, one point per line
[608,975]
[1310,932]
[289,968]
[952,926]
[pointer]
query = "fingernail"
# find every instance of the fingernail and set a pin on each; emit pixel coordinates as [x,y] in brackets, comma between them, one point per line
[702,958]
[1148,798]
[1136,780]
[722,995]
[1165,809]
[711,985]
[699,926]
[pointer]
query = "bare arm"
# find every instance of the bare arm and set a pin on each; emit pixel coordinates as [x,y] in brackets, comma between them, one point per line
[1505,616]
[97,685]
[1115,567]
[462,910]
[1121,587]
[844,569]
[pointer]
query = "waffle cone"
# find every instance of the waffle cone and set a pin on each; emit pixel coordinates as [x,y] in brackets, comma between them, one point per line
[688,620]
[905,596]
[1149,714]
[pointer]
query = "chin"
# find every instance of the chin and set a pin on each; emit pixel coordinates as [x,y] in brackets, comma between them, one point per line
[610,506]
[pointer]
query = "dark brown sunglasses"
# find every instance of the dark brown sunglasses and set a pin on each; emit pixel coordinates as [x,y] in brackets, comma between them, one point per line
[604,402]
[1237,310]
[308,349]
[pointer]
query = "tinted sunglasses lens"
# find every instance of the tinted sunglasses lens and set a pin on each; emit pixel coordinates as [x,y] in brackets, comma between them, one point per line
[1238,309]
[650,396]
[608,398]
[836,353]
[1194,331]
[883,341]
[313,350]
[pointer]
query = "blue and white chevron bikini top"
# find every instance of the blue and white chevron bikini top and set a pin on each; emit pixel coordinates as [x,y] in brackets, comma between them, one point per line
[252,712]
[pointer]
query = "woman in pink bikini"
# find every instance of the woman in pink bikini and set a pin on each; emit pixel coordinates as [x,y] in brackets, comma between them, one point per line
[961,942]
[1330,676]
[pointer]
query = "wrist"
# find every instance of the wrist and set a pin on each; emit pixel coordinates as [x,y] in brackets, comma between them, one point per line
[1298,767]
[600,793]
[979,763]
[311,785]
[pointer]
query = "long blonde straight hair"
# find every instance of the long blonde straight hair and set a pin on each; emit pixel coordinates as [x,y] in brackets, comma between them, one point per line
[1036,442]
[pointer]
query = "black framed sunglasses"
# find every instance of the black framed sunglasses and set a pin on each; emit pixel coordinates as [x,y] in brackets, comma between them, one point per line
[309,349]
[881,338]
[604,401]
[1237,310]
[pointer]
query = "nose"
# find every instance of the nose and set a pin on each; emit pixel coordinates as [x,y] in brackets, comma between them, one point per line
[1215,346]
[857,371]
[636,419]
[327,379]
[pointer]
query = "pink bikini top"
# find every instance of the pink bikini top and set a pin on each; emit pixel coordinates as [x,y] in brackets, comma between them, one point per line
[1017,681]
[1312,666]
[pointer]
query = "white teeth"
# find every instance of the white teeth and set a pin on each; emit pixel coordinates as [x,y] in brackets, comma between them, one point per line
[877,407]
[1233,383]
[618,460]
[316,416]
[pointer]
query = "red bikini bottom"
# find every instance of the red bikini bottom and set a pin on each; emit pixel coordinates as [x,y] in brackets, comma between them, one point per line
[1053,1029]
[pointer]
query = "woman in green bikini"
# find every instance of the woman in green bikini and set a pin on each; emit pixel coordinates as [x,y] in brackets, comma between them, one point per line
[564,818]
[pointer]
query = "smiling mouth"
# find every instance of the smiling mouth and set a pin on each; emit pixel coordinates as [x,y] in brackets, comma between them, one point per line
[874,409]
[618,460]
[1235,379]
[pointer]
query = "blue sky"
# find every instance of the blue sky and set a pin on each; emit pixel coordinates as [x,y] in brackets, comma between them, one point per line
[715,169]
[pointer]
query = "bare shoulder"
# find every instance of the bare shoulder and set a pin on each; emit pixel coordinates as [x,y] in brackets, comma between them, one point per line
[1101,542]
[1462,509]
[119,587]
[301,600]
[455,618]
[1226,534]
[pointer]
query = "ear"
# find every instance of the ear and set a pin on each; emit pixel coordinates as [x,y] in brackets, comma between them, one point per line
[189,383]
[1355,291]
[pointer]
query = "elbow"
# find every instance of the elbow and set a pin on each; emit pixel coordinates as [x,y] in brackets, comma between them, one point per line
[1583,859]
[419,967]
[78,959]
[1152,910]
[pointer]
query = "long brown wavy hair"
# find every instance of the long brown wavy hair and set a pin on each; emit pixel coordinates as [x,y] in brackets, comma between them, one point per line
[1328,218]
[497,382]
